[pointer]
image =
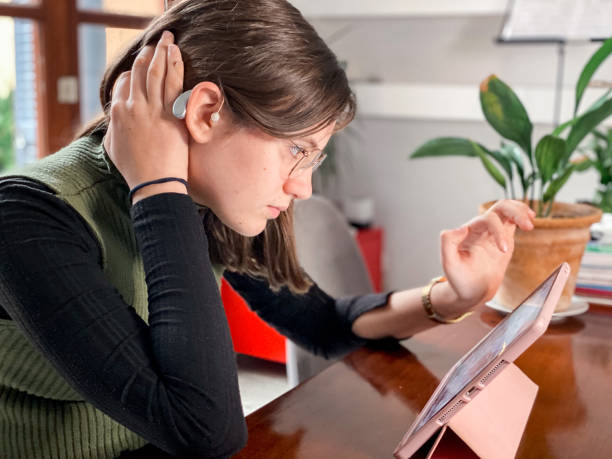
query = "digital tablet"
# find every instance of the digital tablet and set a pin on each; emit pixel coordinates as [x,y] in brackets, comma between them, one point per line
[477,368]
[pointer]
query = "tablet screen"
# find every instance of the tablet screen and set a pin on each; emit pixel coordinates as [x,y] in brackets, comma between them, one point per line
[485,352]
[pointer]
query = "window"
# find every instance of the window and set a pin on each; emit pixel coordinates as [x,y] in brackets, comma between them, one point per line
[20,2]
[50,75]
[18,92]
[133,7]
[98,46]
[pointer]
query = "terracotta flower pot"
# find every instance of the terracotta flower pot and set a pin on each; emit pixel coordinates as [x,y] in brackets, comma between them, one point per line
[561,237]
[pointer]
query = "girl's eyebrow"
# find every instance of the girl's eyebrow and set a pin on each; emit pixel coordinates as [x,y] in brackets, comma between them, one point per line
[310,143]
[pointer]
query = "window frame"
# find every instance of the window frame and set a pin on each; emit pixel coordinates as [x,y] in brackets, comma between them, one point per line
[58,55]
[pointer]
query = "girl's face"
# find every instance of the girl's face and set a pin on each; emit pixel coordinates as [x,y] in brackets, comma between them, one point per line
[243,175]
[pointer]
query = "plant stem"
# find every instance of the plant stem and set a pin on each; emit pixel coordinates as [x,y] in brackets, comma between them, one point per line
[549,208]
[539,212]
[541,200]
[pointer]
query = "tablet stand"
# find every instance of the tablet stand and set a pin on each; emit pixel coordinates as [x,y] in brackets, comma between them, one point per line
[489,426]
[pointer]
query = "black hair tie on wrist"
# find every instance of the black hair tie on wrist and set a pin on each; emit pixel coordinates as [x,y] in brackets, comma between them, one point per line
[153,182]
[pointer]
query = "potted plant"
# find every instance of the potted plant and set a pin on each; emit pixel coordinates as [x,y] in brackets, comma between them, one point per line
[561,229]
[599,154]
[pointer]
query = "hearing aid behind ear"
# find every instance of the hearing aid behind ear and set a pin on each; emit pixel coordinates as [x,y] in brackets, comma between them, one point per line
[179,107]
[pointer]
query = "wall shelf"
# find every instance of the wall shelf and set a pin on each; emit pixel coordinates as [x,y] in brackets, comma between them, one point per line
[454,102]
[326,9]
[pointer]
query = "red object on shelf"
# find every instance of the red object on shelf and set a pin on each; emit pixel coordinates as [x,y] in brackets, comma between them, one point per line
[370,242]
[252,336]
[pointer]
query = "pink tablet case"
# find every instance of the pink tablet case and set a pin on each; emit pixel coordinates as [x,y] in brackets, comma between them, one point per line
[491,425]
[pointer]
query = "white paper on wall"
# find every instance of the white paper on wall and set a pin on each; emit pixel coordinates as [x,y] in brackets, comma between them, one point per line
[567,20]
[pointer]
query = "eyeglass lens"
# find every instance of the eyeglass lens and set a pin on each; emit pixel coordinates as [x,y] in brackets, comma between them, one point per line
[305,162]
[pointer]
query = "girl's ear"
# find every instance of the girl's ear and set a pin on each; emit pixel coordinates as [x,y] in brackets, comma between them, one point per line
[203,108]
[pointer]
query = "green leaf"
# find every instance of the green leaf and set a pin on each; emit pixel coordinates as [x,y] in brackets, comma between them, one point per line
[594,106]
[562,127]
[603,162]
[583,165]
[600,135]
[549,153]
[505,112]
[503,161]
[589,69]
[600,101]
[587,123]
[513,153]
[490,167]
[531,178]
[554,186]
[446,146]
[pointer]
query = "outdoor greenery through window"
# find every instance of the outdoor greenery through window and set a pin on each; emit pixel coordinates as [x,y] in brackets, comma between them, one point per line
[18,100]
[7,88]
[6,130]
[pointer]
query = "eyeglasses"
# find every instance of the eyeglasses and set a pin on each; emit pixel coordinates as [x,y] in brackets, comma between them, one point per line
[305,159]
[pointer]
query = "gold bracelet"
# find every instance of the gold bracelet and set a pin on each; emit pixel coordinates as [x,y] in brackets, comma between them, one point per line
[429,310]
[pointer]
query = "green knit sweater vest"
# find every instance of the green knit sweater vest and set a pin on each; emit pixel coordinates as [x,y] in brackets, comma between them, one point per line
[41,416]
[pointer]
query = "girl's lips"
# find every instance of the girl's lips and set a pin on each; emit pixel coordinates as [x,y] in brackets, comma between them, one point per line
[274,211]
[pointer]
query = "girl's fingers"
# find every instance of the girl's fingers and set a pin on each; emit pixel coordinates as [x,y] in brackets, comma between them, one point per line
[156,73]
[449,241]
[121,91]
[174,76]
[488,224]
[517,212]
[138,86]
[496,229]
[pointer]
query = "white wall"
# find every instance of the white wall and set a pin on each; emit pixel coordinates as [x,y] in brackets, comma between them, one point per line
[416,199]
[444,50]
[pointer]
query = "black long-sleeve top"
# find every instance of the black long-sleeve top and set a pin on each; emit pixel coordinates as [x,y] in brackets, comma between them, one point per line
[174,380]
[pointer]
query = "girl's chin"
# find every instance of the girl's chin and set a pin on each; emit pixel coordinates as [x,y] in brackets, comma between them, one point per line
[249,230]
[245,227]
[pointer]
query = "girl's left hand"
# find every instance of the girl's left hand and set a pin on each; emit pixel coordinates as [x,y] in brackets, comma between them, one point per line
[475,256]
[144,140]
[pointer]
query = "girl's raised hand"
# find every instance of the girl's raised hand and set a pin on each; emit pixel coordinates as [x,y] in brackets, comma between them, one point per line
[475,256]
[144,140]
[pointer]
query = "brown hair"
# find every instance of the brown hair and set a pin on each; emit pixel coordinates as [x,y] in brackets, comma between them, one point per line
[277,75]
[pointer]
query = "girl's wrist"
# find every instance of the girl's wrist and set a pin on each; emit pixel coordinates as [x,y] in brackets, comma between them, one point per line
[158,188]
[446,302]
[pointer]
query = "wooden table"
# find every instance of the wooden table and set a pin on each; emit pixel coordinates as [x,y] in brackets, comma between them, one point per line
[361,406]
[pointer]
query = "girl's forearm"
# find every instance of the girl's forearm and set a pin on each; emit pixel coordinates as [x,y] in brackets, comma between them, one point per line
[404,315]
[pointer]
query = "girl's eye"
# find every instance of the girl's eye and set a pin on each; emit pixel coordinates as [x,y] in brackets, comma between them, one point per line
[295,150]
